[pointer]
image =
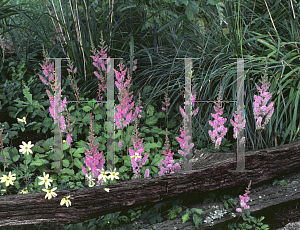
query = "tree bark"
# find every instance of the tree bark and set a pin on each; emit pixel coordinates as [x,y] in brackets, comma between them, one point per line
[209,173]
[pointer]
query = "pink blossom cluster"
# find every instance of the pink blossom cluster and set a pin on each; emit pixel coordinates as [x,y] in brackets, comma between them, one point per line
[92,159]
[170,168]
[48,70]
[259,104]
[136,154]
[218,125]
[244,199]
[124,99]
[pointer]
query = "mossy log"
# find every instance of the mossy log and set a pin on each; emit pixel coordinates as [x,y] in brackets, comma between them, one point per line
[210,172]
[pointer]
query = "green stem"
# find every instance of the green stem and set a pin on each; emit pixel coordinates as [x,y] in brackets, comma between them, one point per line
[72,156]
[121,141]
[258,140]
[128,141]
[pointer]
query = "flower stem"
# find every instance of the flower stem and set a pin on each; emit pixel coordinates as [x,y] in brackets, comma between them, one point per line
[128,141]
[258,140]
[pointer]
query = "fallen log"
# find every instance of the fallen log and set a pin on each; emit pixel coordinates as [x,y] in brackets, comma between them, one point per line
[209,173]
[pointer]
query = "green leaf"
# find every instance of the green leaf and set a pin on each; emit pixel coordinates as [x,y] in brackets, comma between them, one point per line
[87,108]
[39,162]
[65,163]
[77,163]
[27,94]
[213,2]
[79,150]
[186,216]
[71,108]
[283,182]
[38,149]
[197,210]
[151,120]
[185,2]
[191,9]
[98,117]
[150,110]
[197,220]
[16,158]
[86,118]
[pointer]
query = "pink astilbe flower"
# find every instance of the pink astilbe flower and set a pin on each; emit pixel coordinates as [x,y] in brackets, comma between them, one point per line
[260,103]
[216,136]
[73,71]
[244,199]
[184,141]
[98,62]
[166,103]
[124,100]
[170,168]
[136,155]
[63,128]
[48,70]
[239,123]
[92,159]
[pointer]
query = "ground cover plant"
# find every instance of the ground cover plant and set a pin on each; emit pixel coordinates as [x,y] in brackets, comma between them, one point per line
[26,104]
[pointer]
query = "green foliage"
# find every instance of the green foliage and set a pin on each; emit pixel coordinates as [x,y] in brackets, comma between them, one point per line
[190,25]
[257,223]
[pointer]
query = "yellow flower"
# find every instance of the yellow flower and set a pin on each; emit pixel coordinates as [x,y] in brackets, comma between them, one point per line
[65,200]
[24,191]
[102,175]
[26,148]
[8,179]
[50,193]
[136,155]
[91,182]
[113,175]
[106,189]
[45,180]
[64,141]
[22,120]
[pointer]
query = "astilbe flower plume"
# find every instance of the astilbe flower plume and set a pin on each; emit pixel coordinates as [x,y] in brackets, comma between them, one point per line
[216,136]
[170,168]
[124,99]
[135,155]
[239,124]
[260,102]
[92,159]
[125,106]
[48,70]
[98,62]
[184,140]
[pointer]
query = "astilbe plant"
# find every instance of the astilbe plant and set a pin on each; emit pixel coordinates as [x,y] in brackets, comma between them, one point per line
[125,102]
[73,71]
[184,140]
[98,62]
[92,159]
[260,102]
[170,168]
[239,124]
[135,155]
[218,124]
[48,70]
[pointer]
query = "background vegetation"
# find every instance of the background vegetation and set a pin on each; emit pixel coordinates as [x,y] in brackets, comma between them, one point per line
[155,33]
